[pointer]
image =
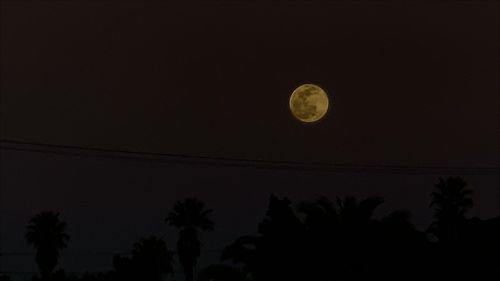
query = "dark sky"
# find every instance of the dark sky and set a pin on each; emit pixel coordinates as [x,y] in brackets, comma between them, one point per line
[410,84]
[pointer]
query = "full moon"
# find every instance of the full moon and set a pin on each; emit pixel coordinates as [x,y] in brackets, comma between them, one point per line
[308,103]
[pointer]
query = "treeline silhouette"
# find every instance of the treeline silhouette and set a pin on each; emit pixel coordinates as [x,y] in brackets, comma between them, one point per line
[321,240]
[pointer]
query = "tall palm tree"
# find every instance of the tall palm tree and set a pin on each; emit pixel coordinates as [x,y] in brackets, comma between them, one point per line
[47,234]
[189,216]
[451,202]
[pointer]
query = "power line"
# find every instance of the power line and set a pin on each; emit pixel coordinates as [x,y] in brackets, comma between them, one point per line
[82,151]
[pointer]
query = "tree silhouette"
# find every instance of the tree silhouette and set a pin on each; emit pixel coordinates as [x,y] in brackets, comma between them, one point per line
[352,212]
[4,277]
[334,240]
[451,201]
[221,272]
[319,240]
[277,253]
[47,234]
[189,216]
[243,251]
[340,234]
[323,216]
[151,260]
[281,245]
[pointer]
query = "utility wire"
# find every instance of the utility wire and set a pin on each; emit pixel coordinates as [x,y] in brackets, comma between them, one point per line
[82,151]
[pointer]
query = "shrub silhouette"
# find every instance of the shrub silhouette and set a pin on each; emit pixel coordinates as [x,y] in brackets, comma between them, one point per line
[150,260]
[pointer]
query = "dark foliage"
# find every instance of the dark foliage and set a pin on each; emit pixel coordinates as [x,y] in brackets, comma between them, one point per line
[321,240]
[47,234]
[150,261]
[189,216]
[5,277]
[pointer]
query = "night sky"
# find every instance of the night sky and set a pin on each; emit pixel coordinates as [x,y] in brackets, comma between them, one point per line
[412,84]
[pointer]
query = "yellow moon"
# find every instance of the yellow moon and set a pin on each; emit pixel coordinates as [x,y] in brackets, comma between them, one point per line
[309,103]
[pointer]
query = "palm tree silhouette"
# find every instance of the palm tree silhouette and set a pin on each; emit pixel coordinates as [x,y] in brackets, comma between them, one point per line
[47,234]
[451,201]
[189,216]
